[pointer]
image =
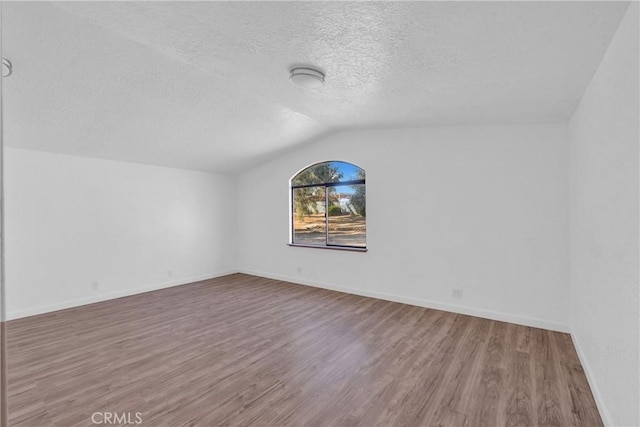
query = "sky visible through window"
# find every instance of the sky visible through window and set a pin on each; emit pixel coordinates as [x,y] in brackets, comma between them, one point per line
[349,173]
[328,172]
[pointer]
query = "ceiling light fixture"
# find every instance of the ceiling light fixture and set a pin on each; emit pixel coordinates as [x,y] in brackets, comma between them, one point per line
[307,77]
[7,67]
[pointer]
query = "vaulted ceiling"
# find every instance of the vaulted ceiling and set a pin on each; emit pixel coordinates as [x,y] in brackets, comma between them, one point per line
[204,85]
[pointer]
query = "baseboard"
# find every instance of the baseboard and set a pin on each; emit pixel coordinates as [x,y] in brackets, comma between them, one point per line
[595,391]
[18,314]
[486,314]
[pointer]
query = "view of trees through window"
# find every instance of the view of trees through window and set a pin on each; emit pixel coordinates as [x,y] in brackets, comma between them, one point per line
[329,205]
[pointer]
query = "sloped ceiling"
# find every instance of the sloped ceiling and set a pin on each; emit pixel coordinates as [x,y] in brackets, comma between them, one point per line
[204,85]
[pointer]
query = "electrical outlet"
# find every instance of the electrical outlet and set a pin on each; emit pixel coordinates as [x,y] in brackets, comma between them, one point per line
[299,271]
[169,273]
[95,286]
[456,293]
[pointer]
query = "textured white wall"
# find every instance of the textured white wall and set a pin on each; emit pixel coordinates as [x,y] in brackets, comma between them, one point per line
[71,221]
[604,199]
[483,209]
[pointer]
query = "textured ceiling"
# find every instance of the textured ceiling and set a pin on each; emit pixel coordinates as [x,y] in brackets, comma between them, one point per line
[205,86]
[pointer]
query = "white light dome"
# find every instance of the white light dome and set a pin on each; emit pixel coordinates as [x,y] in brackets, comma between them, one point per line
[307,77]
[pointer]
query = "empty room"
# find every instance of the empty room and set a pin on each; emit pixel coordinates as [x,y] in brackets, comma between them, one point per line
[320,213]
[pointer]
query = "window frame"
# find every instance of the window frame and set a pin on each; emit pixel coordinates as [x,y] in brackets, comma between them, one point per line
[326,186]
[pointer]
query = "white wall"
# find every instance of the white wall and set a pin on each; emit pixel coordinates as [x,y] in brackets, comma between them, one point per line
[604,197]
[482,209]
[71,221]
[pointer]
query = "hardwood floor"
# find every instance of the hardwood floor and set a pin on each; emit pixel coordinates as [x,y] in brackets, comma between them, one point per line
[243,350]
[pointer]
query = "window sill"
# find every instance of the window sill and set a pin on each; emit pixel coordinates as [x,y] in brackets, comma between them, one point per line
[332,248]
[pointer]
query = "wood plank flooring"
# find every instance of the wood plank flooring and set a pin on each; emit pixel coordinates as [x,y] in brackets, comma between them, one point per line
[243,350]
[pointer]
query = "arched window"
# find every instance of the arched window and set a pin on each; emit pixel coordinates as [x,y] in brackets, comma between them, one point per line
[328,206]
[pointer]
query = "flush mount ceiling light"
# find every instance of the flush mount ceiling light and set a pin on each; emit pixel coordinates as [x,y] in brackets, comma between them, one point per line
[307,77]
[7,67]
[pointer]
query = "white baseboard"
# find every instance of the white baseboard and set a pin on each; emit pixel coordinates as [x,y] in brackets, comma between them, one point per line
[17,314]
[604,413]
[486,314]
